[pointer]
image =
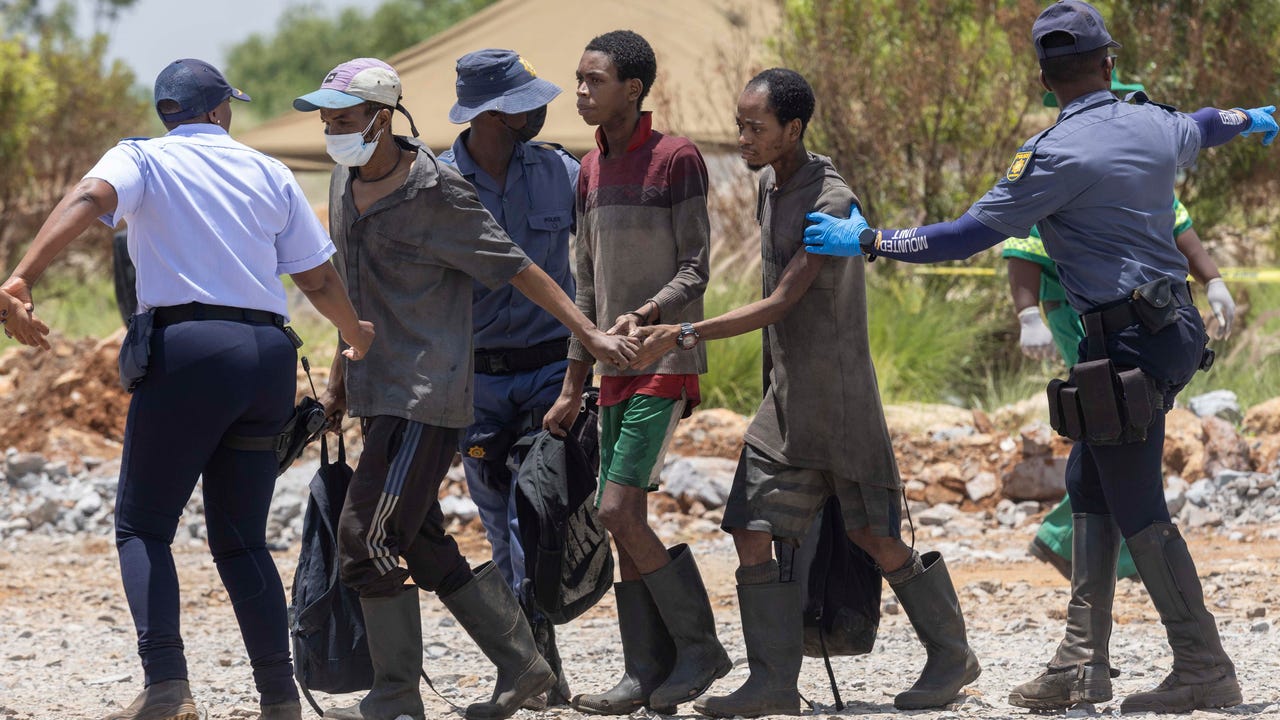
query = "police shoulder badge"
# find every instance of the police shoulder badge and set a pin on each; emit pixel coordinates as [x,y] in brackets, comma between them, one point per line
[1018,165]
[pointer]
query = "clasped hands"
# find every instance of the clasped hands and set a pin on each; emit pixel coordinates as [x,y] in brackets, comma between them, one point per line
[637,346]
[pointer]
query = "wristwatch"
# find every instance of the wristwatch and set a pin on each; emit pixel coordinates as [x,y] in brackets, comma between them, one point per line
[688,337]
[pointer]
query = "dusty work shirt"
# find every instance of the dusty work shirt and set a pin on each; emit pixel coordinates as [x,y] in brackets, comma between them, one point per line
[408,263]
[210,220]
[535,207]
[821,407]
[643,234]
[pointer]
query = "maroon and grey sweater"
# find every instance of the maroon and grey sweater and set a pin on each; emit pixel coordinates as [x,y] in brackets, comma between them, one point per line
[643,234]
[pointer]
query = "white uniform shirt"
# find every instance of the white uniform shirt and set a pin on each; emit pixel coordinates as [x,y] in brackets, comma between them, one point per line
[210,220]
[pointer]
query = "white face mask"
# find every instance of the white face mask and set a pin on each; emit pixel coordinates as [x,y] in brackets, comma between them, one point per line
[350,149]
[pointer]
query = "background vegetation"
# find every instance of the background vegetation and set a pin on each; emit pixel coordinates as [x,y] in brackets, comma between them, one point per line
[921,104]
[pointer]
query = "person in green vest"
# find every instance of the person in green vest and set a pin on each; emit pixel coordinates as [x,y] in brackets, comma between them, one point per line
[1034,286]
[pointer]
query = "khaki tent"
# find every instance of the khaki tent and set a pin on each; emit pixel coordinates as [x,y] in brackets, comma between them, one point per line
[706,49]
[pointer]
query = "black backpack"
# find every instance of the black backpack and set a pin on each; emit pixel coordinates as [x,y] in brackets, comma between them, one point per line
[842,590]
[330,650]
[568,561]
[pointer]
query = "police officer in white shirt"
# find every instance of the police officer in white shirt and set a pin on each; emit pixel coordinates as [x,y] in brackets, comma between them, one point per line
[212,226]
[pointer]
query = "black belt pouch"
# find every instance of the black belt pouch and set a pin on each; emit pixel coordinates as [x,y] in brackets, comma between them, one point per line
[135,351]
[1154,304]
[1099,404]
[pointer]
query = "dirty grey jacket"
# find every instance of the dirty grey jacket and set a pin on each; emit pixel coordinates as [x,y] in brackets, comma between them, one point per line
[821,407]
[408,263]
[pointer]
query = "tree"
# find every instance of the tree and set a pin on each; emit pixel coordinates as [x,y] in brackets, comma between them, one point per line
[277,68]
[61,107]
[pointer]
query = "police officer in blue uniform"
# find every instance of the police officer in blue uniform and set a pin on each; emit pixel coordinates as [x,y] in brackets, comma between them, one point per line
[1099,184]
[520,359]
[212,226]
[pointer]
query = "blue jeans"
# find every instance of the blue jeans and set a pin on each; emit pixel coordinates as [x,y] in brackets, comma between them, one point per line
[506,408]
[206,379]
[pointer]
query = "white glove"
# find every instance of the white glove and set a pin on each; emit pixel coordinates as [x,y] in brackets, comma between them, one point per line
[1035,338]
[1224,308]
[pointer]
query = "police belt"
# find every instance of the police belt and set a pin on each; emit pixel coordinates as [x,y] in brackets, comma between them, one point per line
[175,314]
[1120,315]
[514,360]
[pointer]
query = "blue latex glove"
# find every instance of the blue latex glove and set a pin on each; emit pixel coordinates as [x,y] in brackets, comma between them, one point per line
[830,235]
[1262,120]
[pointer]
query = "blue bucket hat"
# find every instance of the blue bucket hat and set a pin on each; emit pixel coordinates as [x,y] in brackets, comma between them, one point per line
[196,86]
[498,80]
[1078,19]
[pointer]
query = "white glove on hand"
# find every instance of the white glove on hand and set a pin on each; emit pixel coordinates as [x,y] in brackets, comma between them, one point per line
[1035,338]
[1224,308]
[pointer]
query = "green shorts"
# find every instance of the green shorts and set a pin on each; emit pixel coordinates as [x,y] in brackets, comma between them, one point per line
[634,435]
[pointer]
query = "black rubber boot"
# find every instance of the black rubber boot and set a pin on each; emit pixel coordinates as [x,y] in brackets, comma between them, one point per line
[1080,671]
[394,627]
[165,700]
[772,626]
[489,612]
[544,637]
[682,602]
[1203,676]
[930,602]
[647,655]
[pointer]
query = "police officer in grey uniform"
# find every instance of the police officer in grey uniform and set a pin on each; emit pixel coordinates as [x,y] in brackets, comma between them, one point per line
[1099,184]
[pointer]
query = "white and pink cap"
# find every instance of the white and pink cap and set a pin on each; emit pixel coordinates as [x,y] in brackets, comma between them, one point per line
[354,82]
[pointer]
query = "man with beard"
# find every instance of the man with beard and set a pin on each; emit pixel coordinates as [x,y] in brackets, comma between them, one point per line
[820,430]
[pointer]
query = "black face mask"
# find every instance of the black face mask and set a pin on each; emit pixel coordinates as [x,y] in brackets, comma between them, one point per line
[534,120]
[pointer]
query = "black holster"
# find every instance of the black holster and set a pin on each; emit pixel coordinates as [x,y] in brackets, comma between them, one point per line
[135,350]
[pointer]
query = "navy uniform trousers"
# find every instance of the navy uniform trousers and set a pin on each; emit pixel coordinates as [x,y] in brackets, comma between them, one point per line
[1125,481]
[206,378]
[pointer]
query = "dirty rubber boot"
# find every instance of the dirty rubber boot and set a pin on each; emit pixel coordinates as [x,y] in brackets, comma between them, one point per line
[647,655]
[394,628]
[166,700]
[288,710]
[772,625]
[682,602]
[544,636]
[1080,671]
[1202,676]
[489,612]
[930,602]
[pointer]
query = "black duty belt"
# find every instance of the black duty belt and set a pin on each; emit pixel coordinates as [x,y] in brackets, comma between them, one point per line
[199,311]
[514,360]
[1121,315]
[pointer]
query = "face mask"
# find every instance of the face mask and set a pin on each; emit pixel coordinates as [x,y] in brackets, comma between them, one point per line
[350,149]
[534,120]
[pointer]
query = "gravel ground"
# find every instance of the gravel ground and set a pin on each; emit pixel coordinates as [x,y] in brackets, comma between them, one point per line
[67,646]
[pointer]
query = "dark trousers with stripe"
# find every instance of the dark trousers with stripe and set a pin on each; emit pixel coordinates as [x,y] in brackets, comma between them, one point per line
[206,379]
[392,511]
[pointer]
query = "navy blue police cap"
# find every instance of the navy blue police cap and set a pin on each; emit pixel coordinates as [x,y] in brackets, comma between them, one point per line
[1078,19]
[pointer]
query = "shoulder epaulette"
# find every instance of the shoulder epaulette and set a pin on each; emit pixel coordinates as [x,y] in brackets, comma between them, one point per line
[1141,98]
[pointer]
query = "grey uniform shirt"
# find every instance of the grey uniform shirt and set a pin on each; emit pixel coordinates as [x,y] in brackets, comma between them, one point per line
[821,407]
[408,263]
[1099,185]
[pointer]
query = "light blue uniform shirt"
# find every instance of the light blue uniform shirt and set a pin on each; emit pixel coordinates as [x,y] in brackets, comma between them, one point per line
[210,220]
[536,210]
[1099,184]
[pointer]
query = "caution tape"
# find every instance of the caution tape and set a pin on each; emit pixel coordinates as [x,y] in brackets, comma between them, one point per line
[1244,275]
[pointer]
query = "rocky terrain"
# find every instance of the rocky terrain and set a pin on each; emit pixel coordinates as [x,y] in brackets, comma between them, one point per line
[976,483]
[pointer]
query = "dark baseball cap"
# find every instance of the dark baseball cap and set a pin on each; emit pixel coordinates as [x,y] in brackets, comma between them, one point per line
[1078,19]
[196,86]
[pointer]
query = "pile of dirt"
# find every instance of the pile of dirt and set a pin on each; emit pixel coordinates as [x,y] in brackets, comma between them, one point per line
[65,403]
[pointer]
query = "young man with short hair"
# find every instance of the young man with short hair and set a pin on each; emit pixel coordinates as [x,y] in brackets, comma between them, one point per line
[820,430]
[411,238]
[641,257]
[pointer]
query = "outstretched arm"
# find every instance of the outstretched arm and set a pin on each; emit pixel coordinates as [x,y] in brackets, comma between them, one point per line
[1219,126]
[952,240]
[795,281]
